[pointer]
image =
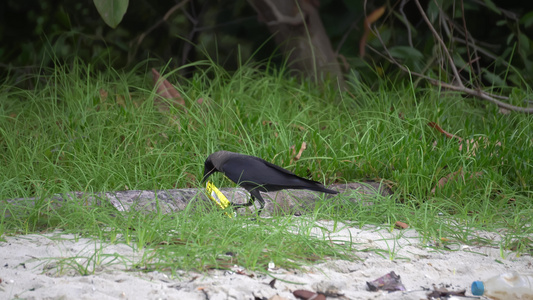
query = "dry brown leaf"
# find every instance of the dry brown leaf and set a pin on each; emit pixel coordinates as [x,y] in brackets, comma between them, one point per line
[272,283]
[277,297]
[266,122]
[302,148]
[445,179]
[190,179]
[371,18]
[241,272]
[165,90]
[401,225]
[471,144]
[308,295]
[504,111]
[103,95]
[443,293]
[120,100]
[297,156]
[174,121]
[447,134]
[301,128]
[454,176]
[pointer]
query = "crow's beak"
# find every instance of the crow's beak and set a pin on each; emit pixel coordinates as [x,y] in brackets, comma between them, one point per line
[207,173]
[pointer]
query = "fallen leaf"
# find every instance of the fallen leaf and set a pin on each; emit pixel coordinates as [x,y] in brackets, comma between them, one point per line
[302,148]
[241,272]
[402,225]
[190,178]
[471,144]
[120,100]
[371,18]
[447,134]
[504,111]
[272,283]
[454,176]
[440,293]
[165,90]
[277,297]
[296,156]
[307,295]
[103,95]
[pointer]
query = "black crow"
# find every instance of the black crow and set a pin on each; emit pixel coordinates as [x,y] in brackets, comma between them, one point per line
[257,175]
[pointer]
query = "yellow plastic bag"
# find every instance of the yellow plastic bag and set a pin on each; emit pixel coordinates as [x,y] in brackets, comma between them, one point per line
[216,195]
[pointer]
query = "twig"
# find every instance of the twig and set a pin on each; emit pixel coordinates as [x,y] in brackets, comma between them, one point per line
[441,42]
[476,93]
[157,24]
[507,13]
[468,46]
[460,87]
[195,20]
[281,18]
[407,24]
[345,36]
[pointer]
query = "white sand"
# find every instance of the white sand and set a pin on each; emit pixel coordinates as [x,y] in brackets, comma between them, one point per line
[37,267]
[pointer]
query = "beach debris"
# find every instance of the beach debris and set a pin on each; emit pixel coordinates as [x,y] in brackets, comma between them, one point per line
[388,282]
[329,288]
[241,272]
[308,295]
[442,292]
[277,297]
[272,283]
[218,197]
[401,225]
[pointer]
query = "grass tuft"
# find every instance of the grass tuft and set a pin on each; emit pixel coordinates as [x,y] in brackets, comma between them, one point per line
[79,130]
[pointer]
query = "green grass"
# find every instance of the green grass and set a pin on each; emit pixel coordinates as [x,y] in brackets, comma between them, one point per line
[64,135]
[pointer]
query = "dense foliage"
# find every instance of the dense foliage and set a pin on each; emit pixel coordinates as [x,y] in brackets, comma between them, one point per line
[229,32]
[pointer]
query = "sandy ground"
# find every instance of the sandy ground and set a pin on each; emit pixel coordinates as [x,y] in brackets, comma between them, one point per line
[44,267]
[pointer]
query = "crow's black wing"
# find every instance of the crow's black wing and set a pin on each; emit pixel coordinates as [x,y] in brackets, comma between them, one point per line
[252,171]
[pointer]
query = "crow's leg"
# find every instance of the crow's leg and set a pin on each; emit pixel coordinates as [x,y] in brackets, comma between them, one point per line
[250,203]
[257,195]
[253,196]
[262,203]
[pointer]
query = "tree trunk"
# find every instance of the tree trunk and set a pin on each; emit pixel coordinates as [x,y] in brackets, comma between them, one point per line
[298,30]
